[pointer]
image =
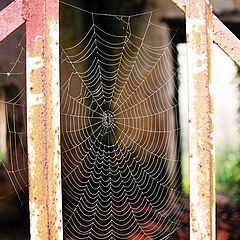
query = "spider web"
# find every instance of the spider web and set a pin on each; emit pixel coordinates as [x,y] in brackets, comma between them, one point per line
[13,148]
[119,129]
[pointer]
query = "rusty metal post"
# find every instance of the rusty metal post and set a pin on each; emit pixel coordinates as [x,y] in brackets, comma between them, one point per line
[222,36]
[225,39]
[43,119]
[201,146]
[11,17]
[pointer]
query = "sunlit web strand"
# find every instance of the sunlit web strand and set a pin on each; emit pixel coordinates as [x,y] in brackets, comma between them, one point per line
[119,133]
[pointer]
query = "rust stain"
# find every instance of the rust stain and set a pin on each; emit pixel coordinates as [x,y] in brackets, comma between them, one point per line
[25,10]
[43,121]
[222,36]
[202,197]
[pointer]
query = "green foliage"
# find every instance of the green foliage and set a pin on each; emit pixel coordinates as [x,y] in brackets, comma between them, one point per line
[186,185]
[2,156]
[185,174]
[228,174]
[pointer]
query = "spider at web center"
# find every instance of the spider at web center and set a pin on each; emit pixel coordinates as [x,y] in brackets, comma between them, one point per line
[107,119]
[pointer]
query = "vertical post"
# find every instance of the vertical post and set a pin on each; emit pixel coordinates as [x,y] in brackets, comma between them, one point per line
[43,118]
[3,126]
[201,146]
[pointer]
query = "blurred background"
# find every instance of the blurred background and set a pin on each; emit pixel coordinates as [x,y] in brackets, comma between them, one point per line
[226,76]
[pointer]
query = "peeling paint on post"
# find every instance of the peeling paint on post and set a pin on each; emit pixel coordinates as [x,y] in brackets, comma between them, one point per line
[226,40]
[201,145]
[11,17]
[43,118]
[222,36]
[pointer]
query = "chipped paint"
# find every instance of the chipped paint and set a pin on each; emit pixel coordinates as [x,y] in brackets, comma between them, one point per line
[226,40]
[35,62]
[37,98]
[201,144]
[34,220]
[55,88]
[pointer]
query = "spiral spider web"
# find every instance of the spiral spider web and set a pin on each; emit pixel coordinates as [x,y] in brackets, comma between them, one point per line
[119,130]
[13,147]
